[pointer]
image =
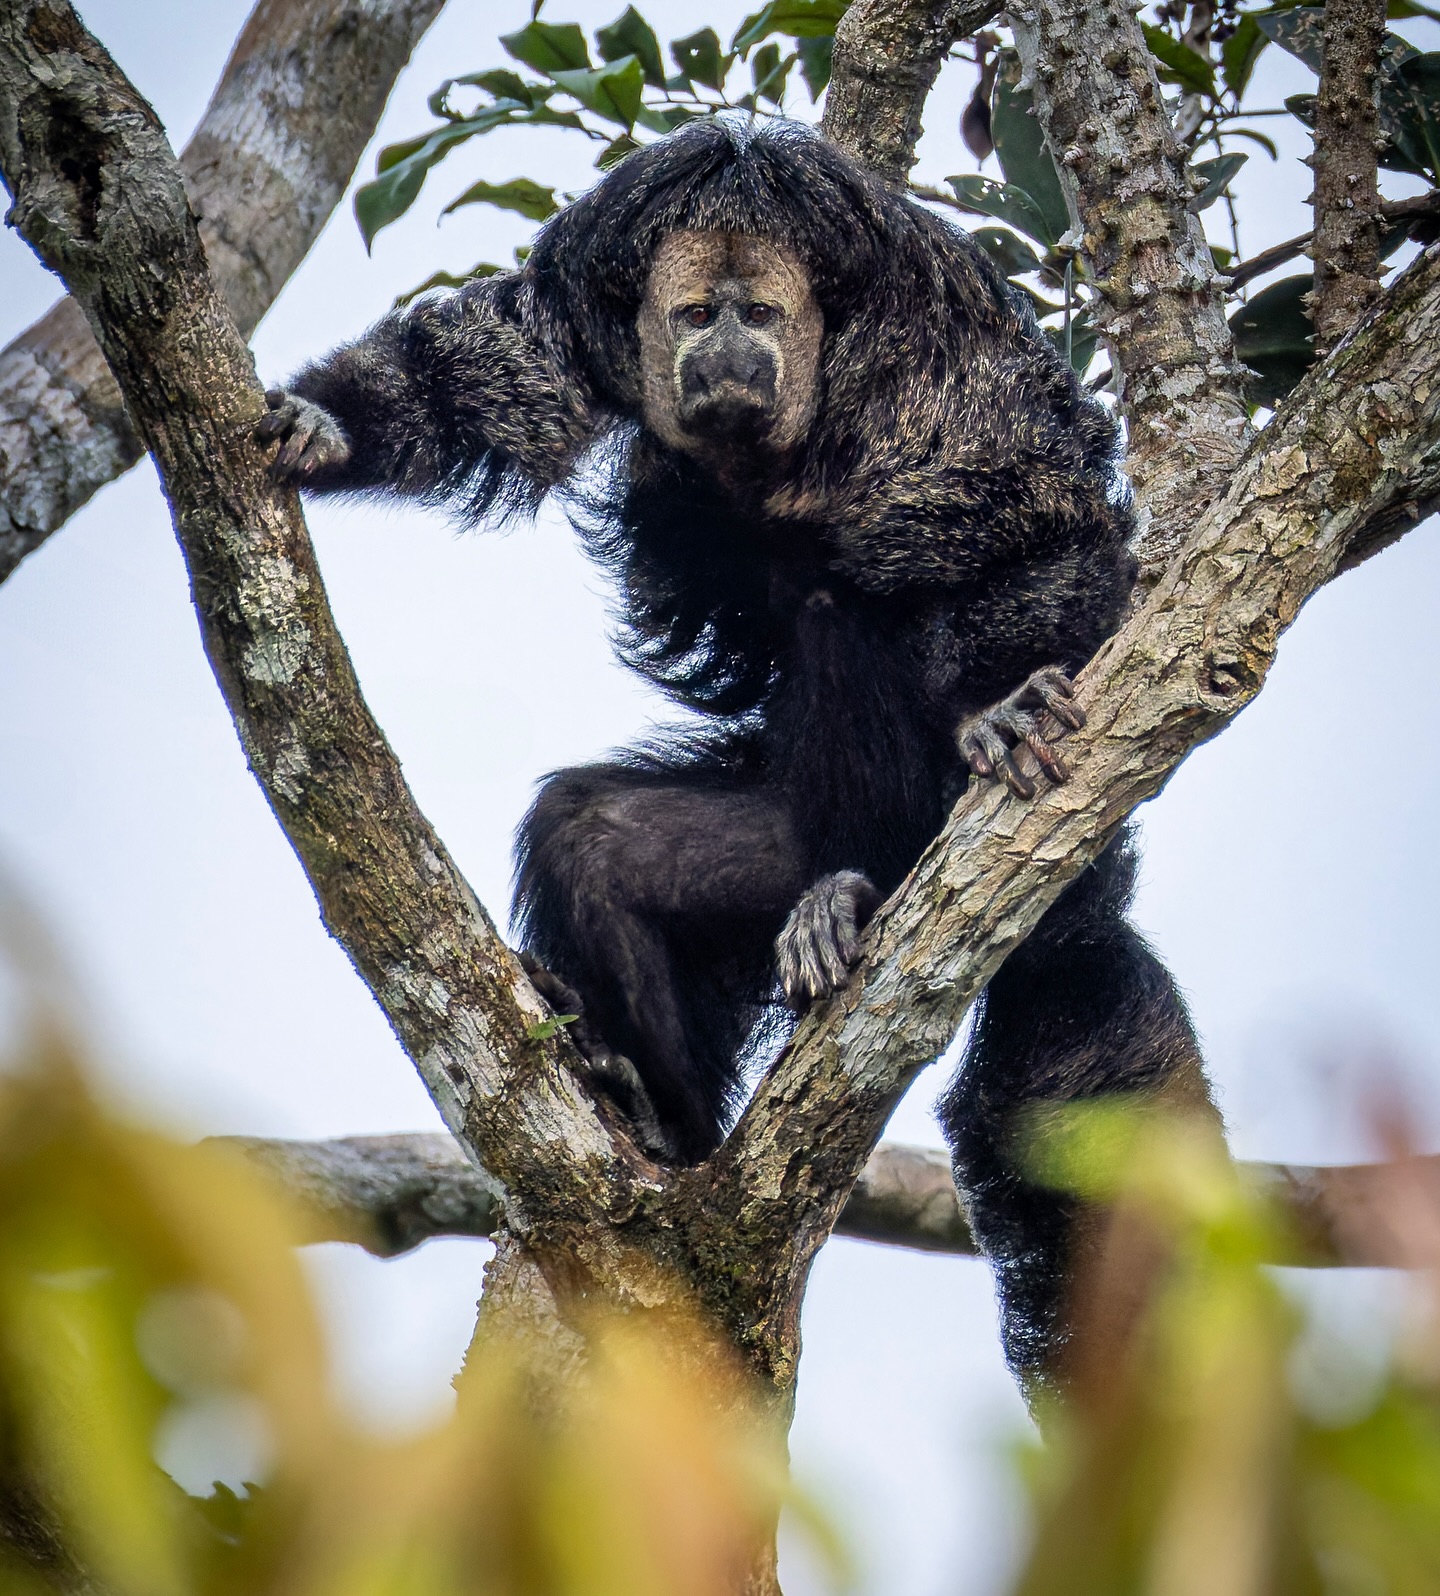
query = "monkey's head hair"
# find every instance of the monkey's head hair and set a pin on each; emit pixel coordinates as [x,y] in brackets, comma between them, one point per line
[869,253]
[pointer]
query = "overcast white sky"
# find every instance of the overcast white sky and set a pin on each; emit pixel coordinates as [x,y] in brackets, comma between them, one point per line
[1290,880]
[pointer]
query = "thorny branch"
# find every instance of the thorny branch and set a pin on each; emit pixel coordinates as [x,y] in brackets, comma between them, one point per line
[1159,300]
[1346,246]
[887,56]
[271,158]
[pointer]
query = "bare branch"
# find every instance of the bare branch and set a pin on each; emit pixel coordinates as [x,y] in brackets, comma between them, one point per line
[299,99]
[887,56]
[1346,248]
[99,195]
[390,1193]
[1162,307]
[1350,462]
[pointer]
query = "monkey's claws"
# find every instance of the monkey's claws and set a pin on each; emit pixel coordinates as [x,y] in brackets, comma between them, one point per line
[818,947]
[310,438]
[988,741]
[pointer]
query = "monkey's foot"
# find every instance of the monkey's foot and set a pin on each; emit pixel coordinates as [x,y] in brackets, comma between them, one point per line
[309,437]
[821,940]
[610,1073]
[987,741]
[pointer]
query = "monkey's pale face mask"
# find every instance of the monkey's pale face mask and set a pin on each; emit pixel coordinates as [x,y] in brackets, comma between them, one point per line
[730,340]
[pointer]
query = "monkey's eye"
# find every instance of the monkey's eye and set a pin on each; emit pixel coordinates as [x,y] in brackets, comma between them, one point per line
[757,315]
[698,315]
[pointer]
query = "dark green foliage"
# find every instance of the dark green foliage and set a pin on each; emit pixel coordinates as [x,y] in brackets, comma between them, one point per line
[631,34]
[1274,336]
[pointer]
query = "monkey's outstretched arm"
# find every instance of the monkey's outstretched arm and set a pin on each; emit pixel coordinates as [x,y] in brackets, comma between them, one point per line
[452,399]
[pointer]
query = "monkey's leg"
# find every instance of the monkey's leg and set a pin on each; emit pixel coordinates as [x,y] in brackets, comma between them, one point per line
[656,895]
[1081,1009]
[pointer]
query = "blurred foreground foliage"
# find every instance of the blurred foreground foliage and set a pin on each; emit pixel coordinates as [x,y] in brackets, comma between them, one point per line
[150,1290]
[1200,1454]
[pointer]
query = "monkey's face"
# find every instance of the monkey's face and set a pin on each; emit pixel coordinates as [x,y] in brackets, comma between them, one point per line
[729,350]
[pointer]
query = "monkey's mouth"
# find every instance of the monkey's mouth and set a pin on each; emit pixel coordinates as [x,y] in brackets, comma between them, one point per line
[730,412]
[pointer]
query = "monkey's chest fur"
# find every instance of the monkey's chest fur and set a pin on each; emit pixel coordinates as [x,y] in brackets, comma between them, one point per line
[850,734]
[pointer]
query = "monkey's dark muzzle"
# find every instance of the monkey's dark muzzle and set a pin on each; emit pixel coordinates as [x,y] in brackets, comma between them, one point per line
[728,389]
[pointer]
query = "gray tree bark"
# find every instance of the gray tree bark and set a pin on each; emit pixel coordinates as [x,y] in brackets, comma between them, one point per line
[1346,245]
[271,159]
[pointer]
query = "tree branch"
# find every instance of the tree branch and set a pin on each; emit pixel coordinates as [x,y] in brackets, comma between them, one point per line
[389,1194]
[99,196]
[887,57]
[1346,247]
[1349,462]
[1161,303]
[298,102]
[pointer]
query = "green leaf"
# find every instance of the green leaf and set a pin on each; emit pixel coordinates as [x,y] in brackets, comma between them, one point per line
[402,168]
[1274,338]
[615,152]
[500,84]
[699,57]
[1008,250]
[1410,114]
[1403,10]
[481,269]
[982,196]
[815,62]
[1239,53]
[631,34]
[1299,31]
[666,118]
[1024,156]
[1267,144]
[549,47]
[612,91]
[769,72]
[545,1029]
[1217,175]
[801,19]
[520,194]
[1181,64]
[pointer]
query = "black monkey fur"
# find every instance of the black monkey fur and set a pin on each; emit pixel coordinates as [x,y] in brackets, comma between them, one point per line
[952,522]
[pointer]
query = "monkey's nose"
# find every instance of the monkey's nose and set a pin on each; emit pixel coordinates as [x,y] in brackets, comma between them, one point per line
[726,370]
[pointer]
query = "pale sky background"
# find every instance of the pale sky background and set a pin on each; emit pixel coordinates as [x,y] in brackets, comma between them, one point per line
[1290,878]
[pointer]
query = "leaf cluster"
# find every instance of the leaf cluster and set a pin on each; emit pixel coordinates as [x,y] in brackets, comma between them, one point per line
[1211,72]
[618,89]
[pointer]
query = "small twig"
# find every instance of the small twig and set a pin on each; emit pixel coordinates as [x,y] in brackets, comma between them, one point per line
[1415,208]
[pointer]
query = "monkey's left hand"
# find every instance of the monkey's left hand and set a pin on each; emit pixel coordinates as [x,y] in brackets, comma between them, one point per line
[309,437]
[987,741]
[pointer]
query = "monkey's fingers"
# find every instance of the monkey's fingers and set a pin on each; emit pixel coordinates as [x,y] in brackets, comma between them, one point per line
[293,449]
[988,754]
[1050,761]
[280,419]
[1056,692]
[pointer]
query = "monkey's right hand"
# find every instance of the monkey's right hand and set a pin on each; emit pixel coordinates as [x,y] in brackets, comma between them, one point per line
[987,741]
[310,438]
